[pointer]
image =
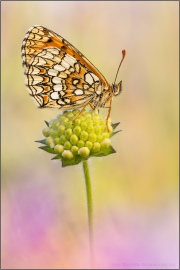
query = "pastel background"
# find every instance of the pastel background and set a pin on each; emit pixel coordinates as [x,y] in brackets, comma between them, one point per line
[135,192]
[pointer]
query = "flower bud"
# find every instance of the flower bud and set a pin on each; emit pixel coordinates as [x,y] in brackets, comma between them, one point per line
[96,147]
[105,143]
[77,130]
[63,139]
[84,152]
[67,145]
[72,140]
[58,149]
[68,133]
[50,142]
[45,131]
[80,143]
[67,154]
[84,135]
[89,145]
[74,150]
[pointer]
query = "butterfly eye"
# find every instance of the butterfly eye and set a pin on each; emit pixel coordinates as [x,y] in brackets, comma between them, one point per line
[117,88]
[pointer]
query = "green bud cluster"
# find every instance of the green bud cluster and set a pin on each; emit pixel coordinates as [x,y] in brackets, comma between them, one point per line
[72,140]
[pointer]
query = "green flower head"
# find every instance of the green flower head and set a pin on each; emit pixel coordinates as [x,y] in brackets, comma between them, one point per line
[74,141]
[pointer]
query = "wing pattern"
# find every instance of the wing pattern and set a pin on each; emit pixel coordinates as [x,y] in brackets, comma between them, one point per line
[57,74]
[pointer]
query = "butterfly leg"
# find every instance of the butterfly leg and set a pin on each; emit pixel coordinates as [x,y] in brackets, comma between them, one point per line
[77,116]
[92,106]
[96,109]
[109,111]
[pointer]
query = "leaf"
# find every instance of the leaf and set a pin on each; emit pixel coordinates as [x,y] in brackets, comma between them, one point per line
[47,149]
[70,162]
[104,152]
[115,132]
[42,141]
[46,123]
[57,157]
[115,125]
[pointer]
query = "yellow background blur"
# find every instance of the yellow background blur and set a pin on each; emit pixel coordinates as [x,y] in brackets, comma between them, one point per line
[135,191]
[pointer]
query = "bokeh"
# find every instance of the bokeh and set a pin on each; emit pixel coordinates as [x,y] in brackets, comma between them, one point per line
[135,191]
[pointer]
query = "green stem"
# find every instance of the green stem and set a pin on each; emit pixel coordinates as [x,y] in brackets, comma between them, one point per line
[90,208]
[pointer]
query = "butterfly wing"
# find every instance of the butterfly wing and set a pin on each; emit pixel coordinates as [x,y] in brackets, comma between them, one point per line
[57,74]
[56,79]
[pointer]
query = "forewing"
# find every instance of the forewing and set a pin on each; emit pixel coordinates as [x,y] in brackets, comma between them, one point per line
[39,37]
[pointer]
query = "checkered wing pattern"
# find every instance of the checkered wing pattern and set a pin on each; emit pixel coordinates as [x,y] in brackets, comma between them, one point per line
[57,74]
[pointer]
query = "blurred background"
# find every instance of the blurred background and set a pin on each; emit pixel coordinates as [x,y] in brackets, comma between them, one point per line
[135,191]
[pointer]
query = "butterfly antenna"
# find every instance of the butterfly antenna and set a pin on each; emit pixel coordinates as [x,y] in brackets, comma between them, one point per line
[123,55]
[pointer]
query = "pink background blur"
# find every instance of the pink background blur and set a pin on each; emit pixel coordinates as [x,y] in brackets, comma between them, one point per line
[135,192]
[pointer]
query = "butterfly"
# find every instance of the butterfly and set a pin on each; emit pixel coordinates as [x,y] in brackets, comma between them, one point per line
[60,76]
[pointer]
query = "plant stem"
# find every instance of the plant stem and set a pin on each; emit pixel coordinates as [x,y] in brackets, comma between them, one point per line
[90,208]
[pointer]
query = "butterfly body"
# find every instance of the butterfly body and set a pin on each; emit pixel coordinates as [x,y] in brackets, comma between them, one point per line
[59,76]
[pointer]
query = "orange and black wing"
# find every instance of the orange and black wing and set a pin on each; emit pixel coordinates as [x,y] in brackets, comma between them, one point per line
[57,74]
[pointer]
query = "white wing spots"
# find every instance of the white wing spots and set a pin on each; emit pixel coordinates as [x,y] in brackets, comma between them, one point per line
[69,59]
[99,90]
[94,77]
[60,102]
[59,68]
[49,55]
[63,75]
[35,80]
[39,61]
[78,92]
[57,80]
[62,93]
[85,86]
[34,70]
[75,81]
[77,67]
[65,64]
[39,89]
[55,95]
[30,36]
[54,51]
[40,32]
[42,53]
[34,30]
[57,59]
[67,100]
[52,72]
[37,37]
[72,69]
[38,100]
[57,87]
[88,78]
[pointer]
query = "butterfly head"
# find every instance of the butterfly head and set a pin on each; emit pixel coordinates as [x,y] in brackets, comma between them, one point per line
[117,88]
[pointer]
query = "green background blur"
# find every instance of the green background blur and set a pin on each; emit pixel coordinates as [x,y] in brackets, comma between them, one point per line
[135,191]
